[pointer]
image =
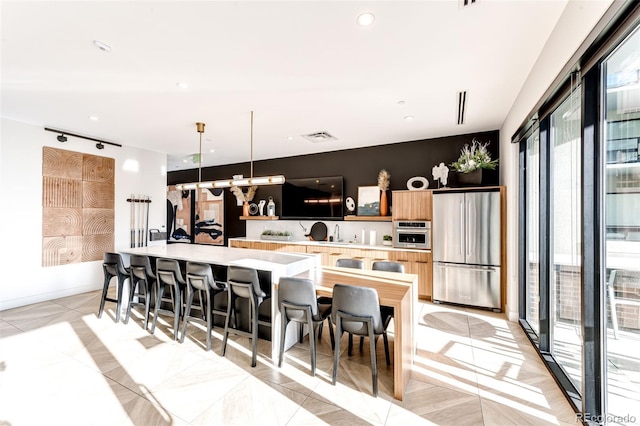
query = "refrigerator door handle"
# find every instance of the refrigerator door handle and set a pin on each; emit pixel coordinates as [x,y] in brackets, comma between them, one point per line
[462,227]
[469,230]
[476,268]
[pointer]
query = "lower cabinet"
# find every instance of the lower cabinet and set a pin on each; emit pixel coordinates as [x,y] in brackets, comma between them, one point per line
[418,263]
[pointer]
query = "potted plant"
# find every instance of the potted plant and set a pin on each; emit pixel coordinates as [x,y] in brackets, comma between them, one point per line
[473,159]
[387,240]
[268,234]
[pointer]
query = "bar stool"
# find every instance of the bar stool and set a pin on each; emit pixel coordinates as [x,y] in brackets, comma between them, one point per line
[298,303]
[243,283]
[356,310]
[142,278]
[169,274]
[113,268]
[200,279]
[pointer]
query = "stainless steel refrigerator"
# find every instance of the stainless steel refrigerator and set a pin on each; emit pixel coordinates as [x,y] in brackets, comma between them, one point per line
[466,248]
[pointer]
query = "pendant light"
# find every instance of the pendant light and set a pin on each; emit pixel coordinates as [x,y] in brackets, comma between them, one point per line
[226,183]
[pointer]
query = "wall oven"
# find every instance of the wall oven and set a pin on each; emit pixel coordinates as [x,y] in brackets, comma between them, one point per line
[412,234]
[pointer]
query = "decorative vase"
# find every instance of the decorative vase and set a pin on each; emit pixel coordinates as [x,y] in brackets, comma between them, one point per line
[245,209]
[384,204]
[471,178]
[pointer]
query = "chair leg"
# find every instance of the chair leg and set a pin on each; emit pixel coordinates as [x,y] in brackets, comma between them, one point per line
[386,347]
[331,335]
[177,308]
[230,310]
[312,342]
[209,320]
[147,303]
[132,292]
[157,307]
[300,332]
[361,343]
[283,331]
[254,333]
[105,290]
[374,365]
[336,352]
[187,312]
[350,347]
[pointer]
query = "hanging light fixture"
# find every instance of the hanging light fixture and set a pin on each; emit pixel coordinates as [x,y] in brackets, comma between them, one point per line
[227,183]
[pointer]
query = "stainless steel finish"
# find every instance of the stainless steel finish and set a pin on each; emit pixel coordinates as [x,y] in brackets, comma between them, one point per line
[467,285]
[466,248]
[412,234]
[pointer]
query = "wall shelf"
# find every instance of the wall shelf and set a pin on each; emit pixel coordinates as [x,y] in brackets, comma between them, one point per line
[368,218]
[259,217]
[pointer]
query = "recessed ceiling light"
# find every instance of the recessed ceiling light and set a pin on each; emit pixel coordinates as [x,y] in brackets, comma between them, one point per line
[212,150]
[290,138]
[182,84]
[94,118]
[408,118]
[185,161]
[104,47]
[365,19]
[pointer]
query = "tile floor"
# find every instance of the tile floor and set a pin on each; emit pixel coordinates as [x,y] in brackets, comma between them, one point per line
[61,365]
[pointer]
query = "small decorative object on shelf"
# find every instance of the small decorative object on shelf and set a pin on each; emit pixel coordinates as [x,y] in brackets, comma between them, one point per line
[472,160]
[244,197]
[268,234]
[420,180]
[386,240]
[383,183]
[261,205]
[271,207]
[441,174]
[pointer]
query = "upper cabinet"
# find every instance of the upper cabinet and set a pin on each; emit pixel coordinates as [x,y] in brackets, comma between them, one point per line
[411,205]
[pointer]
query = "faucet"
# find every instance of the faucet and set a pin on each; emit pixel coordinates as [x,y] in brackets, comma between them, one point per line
[336,233]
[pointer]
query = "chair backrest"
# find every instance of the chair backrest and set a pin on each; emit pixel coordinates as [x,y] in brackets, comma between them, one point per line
[113,264]
[299,291]
[359,301]
[247,277]
[168,270]
[140,267]
[387,265]
[350,263]
[200,275]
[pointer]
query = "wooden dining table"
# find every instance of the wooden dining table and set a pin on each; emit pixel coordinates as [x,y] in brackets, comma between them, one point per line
[396,290]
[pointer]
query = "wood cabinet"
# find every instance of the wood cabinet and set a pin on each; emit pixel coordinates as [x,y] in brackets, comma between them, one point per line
[412,205]
[415,262]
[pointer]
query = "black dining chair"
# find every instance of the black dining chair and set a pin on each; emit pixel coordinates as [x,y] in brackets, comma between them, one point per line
[169,276]
[356,310]
[298,303]
[113,267]
[200,280]
[243,283]
[142,279]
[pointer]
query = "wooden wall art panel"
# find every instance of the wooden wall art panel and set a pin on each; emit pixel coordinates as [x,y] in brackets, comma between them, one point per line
[94,246]
[97,222]
[61,250]
[61,192]
[60,222]
[97,195]
[77,207]
[61,163]
[98,169]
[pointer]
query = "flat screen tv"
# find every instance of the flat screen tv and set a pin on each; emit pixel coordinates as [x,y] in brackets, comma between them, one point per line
[313,198]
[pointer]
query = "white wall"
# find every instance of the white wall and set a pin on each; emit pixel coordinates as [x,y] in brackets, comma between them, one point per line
[577,20]
[24,280]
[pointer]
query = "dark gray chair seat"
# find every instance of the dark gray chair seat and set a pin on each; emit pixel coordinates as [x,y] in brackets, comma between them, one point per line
[298,303]
[142,279]
[169,276]
[113,267]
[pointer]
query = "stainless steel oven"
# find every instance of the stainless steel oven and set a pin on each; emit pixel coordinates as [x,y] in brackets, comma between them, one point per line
[412,234]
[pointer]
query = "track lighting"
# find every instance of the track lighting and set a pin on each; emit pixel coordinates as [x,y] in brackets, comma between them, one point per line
[100,145]
[62,138]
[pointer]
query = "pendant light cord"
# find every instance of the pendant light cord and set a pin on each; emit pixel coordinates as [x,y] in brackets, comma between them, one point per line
[251,145]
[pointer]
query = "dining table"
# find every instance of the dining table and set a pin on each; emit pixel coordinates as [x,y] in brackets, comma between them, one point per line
[396,290]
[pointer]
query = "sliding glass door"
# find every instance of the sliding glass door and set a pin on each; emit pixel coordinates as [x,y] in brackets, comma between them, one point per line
[532,238]
[621,79]
[565,263]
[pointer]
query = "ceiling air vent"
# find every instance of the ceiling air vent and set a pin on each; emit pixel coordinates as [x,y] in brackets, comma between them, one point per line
[319,137]
[462,104]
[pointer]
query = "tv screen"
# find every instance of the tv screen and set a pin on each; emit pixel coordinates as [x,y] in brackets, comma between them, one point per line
[312,198]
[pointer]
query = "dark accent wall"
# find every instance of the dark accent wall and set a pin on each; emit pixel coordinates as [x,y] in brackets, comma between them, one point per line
[359,167]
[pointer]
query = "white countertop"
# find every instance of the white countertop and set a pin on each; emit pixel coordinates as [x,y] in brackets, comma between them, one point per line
[280,264]
[330,244]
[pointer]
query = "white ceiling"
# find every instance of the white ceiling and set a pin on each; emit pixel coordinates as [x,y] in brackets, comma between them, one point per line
[302,67]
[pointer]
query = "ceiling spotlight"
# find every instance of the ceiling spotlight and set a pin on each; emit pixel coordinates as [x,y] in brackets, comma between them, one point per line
[104,47]
[94,118]
[62,138]
[100,145]
[365,19]
[182,84]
